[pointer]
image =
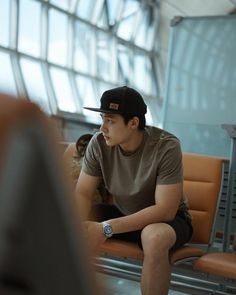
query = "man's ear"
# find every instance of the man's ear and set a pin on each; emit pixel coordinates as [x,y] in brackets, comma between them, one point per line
[134,122]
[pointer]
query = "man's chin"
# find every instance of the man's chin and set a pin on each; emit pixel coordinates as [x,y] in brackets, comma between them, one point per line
[109,142]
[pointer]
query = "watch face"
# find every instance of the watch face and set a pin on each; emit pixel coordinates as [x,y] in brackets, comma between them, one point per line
[107,229]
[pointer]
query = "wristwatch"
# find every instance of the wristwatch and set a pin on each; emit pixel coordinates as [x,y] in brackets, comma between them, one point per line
[107,229]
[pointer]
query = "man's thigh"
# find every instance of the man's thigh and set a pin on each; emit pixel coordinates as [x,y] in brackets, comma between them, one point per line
[183,230]
[172,234]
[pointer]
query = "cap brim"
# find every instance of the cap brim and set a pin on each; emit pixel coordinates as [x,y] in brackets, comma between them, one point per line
[101,110]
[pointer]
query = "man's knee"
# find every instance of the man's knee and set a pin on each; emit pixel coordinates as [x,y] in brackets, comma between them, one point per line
[157,239]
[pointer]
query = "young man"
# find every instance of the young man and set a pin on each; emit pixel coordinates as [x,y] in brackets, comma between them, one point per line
[142,168]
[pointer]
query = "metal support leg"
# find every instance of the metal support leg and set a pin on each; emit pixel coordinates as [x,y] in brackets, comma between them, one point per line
[231,129]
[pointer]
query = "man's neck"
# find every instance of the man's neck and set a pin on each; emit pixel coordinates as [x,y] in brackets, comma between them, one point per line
[133,144]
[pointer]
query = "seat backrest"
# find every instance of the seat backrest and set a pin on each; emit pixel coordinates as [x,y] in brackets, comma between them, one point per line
[202,186]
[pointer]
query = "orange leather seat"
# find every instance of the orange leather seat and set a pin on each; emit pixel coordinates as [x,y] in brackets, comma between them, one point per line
[220,264]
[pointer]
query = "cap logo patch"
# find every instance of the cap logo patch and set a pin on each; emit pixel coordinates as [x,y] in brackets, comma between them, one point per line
[113,106]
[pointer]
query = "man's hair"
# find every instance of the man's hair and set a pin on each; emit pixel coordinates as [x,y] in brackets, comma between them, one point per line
[142,119]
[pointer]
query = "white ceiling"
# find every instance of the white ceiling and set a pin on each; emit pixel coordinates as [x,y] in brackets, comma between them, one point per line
[200,7]
[172,8]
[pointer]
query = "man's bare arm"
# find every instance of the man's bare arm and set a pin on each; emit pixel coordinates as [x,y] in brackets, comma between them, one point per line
[167,202]
[85,190]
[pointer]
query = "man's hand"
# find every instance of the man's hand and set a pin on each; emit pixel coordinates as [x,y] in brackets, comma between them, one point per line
[94,234]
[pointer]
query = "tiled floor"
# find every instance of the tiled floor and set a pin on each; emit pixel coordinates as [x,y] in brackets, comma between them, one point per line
[117,286]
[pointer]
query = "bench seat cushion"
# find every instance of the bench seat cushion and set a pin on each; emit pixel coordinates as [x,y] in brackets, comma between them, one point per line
[219,264]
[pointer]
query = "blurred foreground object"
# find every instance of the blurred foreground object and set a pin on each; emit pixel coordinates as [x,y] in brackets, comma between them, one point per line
[41,247]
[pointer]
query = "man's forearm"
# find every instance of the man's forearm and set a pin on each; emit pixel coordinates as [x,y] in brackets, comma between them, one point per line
[140,219]
[84,206]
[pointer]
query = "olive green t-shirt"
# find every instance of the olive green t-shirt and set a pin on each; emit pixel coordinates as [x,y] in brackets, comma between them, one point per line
[132,179]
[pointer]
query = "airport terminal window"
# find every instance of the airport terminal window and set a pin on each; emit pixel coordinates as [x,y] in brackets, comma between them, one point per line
[124,63]
[57,51]
[149,120]
[128,19]
[106,61]
[64,4]
[90,9]
[84,48]
[29,35]
[63,91]
[35,83]
[103,20]
[45,45]
[146,30]
[4,22]
[142,66]
[85,9]
[113,10]
[102,86]
[86,89]
[7,82]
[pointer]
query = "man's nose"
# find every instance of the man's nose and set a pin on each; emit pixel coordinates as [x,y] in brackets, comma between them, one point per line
[102,127]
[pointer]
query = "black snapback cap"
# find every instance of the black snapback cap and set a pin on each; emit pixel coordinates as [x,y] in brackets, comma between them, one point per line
[121,100]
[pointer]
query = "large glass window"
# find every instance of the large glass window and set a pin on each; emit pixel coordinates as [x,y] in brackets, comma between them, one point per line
[63,90]
[7,82]
[128,19]
[113,11]
[85,9]
[34,83]
[146,28]
[106,62]
[149,120]
[57,52]
[65,54]
[87,93]
[103,86]
[4,22]
[103,20]
[84,48]
[141,73]
[68,5]
[64,4]
[124,64]
[29,27]
[90,10]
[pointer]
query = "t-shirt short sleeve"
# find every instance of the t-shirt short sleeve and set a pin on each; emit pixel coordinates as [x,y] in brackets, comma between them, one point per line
[170,170]
[91,163]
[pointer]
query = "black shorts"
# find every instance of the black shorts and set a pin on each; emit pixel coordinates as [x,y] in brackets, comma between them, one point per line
[181,225]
